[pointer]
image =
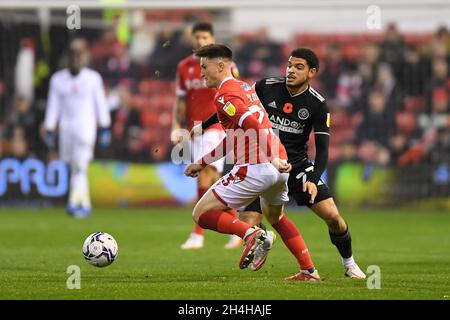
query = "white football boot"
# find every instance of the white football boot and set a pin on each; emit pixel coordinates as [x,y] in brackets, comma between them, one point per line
[195,241]
[352,270]
[262,251]
[305,275]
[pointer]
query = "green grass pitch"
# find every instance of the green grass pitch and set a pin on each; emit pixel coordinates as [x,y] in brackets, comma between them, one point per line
[412,250]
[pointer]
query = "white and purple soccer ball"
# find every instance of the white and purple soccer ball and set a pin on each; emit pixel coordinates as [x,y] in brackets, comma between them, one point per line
[100,249]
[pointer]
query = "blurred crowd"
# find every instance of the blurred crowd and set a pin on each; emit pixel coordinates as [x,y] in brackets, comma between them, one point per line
[388,92]
[390,100]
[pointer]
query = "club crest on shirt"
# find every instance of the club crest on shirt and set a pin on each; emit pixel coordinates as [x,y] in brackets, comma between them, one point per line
[328,120]
[229,109]
[246,87]
[303,114]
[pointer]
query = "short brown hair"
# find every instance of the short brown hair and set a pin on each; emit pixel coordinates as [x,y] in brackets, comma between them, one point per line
[203,26]
[213,51]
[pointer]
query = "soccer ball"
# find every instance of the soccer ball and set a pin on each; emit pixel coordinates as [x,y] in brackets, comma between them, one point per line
[100,249]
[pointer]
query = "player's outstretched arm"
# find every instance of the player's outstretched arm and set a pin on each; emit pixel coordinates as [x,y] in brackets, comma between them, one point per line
[178,119]
[179,110]
[198,129]
[322,137]
[210,121]
[321,160]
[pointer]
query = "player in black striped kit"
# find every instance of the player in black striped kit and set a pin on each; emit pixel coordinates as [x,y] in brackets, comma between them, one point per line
[294,109]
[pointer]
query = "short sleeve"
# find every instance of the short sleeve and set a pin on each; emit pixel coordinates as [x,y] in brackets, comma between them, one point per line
[258,86]
[233,108]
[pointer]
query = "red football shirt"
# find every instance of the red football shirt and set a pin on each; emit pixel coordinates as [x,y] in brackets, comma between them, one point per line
[245,120]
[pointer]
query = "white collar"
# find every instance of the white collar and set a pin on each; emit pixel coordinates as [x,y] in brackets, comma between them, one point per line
[225,80]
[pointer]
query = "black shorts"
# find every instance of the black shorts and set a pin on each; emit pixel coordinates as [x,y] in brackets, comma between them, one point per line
[297,177]
[300,174]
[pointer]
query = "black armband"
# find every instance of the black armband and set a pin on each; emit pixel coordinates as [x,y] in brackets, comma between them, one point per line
[210,121]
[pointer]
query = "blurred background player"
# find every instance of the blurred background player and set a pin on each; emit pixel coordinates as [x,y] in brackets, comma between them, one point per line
[76,107]
[195,103]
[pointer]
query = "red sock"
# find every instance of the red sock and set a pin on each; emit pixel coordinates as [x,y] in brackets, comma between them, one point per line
[197,229]
[223,222]
[294,241]
[232,212]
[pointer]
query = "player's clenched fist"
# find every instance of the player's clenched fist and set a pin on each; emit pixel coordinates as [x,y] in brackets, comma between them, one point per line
[193,170]
[282,165]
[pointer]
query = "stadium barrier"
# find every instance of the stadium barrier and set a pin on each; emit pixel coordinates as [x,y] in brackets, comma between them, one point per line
[31,182]
[359,185]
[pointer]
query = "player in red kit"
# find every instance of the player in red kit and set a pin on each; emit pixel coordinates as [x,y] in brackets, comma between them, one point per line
[194,103]
[260,170]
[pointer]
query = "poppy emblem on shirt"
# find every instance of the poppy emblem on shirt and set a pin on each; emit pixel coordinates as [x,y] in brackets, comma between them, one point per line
[229,109]
[288,107]
[303,114]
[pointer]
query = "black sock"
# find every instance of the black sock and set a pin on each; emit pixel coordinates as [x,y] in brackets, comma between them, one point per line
[343,243]
[262,226]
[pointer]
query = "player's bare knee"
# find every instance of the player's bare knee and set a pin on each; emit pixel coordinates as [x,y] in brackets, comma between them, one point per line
[251,217]
[273,215]
[333,223]
[336,224]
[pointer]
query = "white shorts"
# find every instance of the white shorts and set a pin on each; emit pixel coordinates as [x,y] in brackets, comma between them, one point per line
[244,183]
[206,143]
[74,151]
